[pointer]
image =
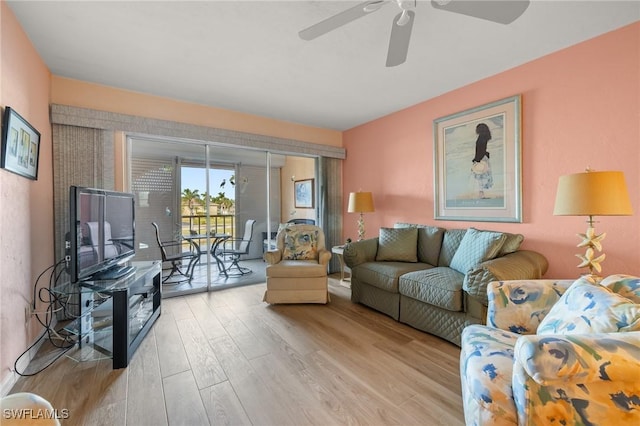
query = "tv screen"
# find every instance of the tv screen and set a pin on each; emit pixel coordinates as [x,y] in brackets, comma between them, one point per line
[102,232]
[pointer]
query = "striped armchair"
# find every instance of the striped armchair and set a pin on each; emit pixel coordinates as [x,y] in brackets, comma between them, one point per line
[536,362]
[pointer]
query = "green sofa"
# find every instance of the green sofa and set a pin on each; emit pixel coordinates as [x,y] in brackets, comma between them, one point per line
[435,279]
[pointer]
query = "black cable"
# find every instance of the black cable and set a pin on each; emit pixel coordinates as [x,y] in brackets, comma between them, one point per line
[35,285]
[23,374]
[50,311]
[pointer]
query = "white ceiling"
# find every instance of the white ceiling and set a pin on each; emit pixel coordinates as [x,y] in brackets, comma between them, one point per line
[246,55]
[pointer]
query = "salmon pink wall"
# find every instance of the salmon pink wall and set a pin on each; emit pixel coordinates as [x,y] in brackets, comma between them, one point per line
[581,107]
[26,206]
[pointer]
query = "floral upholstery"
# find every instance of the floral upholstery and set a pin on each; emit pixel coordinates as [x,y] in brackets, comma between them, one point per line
[300,244]
[511,375]
[488,351]
[520,305]
[625,285]
[297,269]
[587,307]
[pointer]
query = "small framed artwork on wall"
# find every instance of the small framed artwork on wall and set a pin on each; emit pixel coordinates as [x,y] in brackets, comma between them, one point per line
[303,192]
[20,145]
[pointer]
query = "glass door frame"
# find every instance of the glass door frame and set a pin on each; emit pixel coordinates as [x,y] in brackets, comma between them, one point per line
[208,161]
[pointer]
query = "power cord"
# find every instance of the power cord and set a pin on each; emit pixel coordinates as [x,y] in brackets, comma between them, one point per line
[68,340]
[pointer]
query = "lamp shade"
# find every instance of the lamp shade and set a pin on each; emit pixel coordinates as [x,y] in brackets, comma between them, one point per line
[592,194]
[360,202]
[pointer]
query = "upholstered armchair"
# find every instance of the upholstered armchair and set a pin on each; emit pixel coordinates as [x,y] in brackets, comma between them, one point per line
[555,352]
[297,269]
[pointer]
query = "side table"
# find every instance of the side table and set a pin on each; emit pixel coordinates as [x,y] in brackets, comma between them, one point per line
[344,269]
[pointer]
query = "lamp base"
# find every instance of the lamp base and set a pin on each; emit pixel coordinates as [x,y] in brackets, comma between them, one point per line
[592,242]
[361,227]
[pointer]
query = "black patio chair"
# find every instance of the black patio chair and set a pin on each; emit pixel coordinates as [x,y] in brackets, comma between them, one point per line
[172,252]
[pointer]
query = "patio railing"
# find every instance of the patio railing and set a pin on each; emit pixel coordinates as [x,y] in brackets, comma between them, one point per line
[197,224]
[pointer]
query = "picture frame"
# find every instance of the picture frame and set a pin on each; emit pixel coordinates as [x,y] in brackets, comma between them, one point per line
[478,158]
[20,145]
[304,194]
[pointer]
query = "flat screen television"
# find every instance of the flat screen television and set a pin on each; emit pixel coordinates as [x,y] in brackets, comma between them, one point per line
[102,233]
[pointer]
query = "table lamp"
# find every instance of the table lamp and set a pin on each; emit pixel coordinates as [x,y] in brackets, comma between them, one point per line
[590,194]
[360,202]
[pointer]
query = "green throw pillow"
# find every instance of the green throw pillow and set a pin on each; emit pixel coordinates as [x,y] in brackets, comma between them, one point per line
[429,241]
[398,244]
[476,247]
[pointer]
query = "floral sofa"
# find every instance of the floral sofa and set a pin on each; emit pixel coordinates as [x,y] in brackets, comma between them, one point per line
[435,279]
[555,353]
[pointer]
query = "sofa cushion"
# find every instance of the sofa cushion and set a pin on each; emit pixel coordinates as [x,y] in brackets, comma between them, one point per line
[300,244]
[476,247]
[296,268]
[587,307]
[429,242]
[385,275]
[625,285]
[440,287]
[398,245]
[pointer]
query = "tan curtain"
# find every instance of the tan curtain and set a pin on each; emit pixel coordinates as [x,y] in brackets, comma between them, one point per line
[81,156]
[330,203]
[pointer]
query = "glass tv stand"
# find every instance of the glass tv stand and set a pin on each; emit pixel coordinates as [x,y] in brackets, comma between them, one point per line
[115,315]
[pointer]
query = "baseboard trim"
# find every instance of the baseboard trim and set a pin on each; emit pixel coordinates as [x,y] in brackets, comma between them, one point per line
[12,378]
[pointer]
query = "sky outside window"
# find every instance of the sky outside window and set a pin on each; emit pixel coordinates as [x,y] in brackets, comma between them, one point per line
[194,178]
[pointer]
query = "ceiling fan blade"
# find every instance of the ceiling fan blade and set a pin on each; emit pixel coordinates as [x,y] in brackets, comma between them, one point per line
[501,11]
[400,36]
[341,19]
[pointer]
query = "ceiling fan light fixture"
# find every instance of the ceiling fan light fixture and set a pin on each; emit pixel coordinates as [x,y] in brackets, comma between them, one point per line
[404,19]
[500,11]
[373,6]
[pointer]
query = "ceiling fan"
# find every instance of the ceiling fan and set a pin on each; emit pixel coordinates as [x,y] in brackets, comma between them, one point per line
[501,11]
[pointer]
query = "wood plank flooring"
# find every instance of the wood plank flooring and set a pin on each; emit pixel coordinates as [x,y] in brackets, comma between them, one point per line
[227,358]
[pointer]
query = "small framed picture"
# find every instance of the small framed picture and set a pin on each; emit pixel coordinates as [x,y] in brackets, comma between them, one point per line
[20,145]
[303,192]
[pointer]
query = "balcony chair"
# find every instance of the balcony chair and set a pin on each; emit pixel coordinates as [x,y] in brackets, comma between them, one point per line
[110,249]
[297,269]
[171,252]
[233,248]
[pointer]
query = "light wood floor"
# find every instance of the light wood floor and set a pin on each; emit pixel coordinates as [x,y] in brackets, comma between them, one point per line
[228,358]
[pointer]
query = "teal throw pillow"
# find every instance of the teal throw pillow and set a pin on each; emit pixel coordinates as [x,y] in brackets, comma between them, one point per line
[476,247]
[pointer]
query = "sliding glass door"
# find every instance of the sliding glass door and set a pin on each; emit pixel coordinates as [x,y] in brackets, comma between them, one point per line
[207,197]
